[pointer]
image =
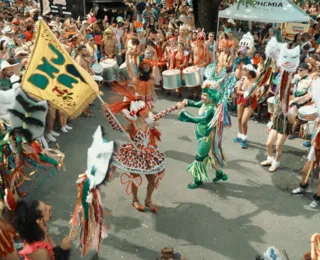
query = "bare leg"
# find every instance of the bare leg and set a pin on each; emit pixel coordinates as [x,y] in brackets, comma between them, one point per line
[62,119]
[247,113]
[179,90]
[279,145]
[272,138]
[134,190]
[199,90]
[51,117]
[150,189]
[240,111]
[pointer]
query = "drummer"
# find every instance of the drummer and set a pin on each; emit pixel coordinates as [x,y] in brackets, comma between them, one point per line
[179,61]
[134,50]
[184,37]
[109,45]
[92,48]
[301,95]
[199,57]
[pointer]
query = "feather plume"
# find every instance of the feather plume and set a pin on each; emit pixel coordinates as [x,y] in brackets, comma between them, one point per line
[27,120]
[27,106]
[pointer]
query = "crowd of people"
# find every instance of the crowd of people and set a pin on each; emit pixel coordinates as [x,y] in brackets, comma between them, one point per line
[262,74]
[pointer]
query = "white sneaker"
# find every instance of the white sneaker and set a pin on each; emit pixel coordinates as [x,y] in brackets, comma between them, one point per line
[63,129]
[68,127]
[50,138]
[274,166]
[55,133]
[267,162]
[298,190]
[314,204]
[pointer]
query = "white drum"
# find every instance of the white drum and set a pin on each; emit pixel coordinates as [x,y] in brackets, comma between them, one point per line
[110,70]
[97,69]
[124,71]
[271,103]
[97,78]
[171,79]
[192,77]
[307,113]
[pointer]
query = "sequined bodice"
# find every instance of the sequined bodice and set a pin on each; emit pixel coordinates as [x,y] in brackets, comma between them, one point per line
[142,138]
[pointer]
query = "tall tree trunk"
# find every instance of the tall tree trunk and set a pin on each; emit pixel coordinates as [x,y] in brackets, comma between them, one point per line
[206,14]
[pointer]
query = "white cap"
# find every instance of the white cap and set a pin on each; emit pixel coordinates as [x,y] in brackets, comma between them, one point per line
[19,51]
[232,21]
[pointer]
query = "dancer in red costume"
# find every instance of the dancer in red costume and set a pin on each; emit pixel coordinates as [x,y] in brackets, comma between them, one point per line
[140,156]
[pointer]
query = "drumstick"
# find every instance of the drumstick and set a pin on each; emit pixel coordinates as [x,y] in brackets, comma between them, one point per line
[120,126]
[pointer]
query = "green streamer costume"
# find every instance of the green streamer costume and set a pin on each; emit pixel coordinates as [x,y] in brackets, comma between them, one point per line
[203,131]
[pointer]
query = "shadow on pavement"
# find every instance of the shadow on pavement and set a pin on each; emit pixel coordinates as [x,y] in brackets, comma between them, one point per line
[208,229]
[179,156]
[264,196]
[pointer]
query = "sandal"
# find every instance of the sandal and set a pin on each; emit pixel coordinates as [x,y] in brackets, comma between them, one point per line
[151,206]
[137,207]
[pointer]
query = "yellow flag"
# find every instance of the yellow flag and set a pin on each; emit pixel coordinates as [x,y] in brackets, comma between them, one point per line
[54,76]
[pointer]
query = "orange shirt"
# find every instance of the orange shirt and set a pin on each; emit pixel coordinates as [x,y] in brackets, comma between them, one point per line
[29,35]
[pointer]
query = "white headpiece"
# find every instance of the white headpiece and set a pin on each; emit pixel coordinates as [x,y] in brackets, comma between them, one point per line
[247,40]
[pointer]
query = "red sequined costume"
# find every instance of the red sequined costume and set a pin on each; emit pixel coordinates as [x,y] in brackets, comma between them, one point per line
[139,157]
[147,160]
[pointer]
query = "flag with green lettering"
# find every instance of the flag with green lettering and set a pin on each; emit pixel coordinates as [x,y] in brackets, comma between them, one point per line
[54,76]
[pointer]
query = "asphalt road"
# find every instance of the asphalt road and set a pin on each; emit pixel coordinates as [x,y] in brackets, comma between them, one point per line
[226,221]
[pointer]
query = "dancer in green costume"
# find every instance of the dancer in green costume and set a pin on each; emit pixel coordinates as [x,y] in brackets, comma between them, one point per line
[198,168]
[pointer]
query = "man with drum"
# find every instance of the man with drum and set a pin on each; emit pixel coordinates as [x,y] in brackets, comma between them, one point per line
[200,58]
[301,95]
[109,45]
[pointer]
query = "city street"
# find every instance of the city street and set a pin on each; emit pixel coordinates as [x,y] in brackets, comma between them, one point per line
[233,220]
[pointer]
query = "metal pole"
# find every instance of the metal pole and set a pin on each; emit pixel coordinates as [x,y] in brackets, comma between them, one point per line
[84,9]
[217,28]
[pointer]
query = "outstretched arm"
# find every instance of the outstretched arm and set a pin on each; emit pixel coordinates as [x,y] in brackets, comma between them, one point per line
[112,122]
[191,103]
[163,113]
[185,116]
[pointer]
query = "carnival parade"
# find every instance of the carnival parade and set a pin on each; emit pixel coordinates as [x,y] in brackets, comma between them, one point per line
[172,129]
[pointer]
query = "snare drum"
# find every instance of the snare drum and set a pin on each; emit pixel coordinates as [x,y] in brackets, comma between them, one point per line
[110,70]
[271,102]
[192,77]
[307,113]
[171,79]
[97,69]
[124,71]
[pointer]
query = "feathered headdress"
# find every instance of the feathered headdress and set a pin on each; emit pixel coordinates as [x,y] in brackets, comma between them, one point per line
[201,35]
[131,106]
[247,41]
[213,93]
[273,49]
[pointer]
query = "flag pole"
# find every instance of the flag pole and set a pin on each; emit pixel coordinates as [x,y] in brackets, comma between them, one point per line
[118,123]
